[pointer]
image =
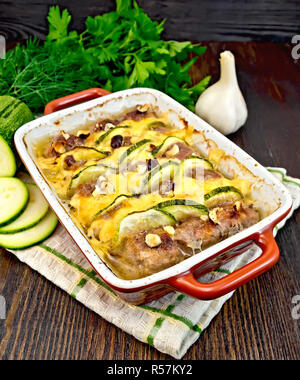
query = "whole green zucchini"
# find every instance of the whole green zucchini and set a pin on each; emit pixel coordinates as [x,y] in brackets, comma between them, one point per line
[13,114]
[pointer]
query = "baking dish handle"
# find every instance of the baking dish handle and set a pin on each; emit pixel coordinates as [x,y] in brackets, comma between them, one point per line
[73,99]
[207,291]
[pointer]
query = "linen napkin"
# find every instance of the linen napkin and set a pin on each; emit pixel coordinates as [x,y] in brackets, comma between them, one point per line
[172,323]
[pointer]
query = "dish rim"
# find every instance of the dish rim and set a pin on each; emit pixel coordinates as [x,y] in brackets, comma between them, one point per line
[80,239]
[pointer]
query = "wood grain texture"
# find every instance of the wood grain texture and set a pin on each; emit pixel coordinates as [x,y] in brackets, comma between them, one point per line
[206,20]
[256,323]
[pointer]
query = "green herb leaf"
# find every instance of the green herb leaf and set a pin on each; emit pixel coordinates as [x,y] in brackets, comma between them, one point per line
[201,86]
[58,23]
[123,5]
[116,51]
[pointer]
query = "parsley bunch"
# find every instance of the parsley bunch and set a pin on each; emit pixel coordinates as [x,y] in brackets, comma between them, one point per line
[118,50]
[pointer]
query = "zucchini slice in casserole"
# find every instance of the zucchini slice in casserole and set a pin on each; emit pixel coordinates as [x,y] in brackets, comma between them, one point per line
[144,193]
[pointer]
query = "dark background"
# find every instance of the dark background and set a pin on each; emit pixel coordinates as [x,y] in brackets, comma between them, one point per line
[43,322]
[206,20]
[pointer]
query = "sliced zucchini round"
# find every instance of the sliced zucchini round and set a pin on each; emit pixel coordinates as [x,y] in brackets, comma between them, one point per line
[83,153]
[8,165]
[159,175]
[225,194]
[114,203]
[36,209]
[134,151]
[88,174]
[13,200]
[169,141]
[32,236]
[183,209]
[196,162]
[109,134]
[158,126]
[145,221]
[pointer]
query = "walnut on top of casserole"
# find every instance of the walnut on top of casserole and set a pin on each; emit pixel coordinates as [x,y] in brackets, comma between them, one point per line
[143,193]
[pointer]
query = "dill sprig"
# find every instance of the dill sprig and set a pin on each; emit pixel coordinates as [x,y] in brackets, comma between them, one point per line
[117,50]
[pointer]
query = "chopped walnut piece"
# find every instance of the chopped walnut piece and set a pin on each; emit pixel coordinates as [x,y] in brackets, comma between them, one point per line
[65,135]
[153,240]
[213,214]
[103,186]
[109,126]
[173,151]
[82,133]
[169,230]
[143,108]
[238,205]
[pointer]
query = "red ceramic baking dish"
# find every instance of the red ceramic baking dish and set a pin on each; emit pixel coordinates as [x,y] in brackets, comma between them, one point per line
[270,196]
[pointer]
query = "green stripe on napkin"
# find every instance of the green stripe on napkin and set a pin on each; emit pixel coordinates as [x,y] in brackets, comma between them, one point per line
[172,323]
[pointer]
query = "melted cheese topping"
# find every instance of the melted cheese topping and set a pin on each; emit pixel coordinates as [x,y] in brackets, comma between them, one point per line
[100,211]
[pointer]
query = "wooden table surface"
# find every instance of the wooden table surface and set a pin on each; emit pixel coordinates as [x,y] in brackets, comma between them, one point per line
[43,322]
[218,20]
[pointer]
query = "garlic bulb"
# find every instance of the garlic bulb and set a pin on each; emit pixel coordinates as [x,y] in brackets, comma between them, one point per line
[222,105]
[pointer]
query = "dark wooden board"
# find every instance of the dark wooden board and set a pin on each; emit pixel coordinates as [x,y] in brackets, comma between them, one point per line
[205,20]
[256,323]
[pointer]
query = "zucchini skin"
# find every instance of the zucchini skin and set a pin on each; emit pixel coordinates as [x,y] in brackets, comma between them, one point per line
[13,114]
[132,149]
[165,219]
[76,177]
[12,219]
[21,210]
[21,229]
[182,202]
[202,159]
[167,206]
[156,150]
[166,213]
[224,189]
[87,148]
[106,134]
[103,210]
[222,194]
[158,169]
[6,150]
[79,173]
[4,230]
[38,240]
[88,167]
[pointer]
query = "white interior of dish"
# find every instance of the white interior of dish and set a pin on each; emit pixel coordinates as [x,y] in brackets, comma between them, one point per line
[270,196]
